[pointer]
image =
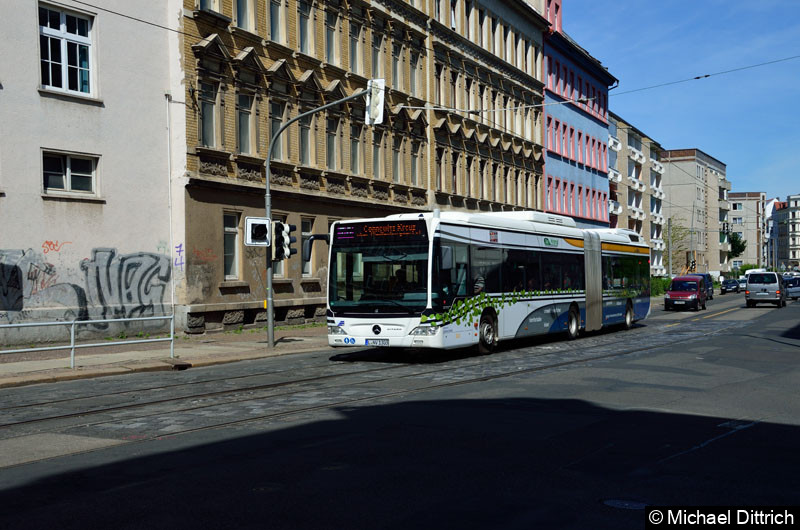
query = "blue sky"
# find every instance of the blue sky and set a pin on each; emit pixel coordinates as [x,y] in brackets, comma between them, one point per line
[750,119]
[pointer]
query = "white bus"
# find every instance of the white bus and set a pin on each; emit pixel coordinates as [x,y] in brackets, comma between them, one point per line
[452,280]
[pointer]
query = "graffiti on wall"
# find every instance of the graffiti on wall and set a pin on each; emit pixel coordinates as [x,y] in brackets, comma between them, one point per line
[108,285]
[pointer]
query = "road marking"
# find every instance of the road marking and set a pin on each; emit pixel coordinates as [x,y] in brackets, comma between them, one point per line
[722,312]
[670,325]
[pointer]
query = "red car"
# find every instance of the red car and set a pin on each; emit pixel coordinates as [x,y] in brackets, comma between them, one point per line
[686,291]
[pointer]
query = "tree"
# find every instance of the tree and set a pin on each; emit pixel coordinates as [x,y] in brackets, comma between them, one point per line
[738,245]
[679,247]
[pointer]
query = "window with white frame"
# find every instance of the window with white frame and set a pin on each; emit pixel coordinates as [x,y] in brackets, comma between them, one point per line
[306,228]
[69,173]
[231,245]
[245,124]
[209,5]
[356,130]
[454,173]
[276,109]
[377,53]
[276,21]
[65,48]
[208,114]
[377,154]
[355,47]
[397,50]
[416,153]
[244,14]
[305,140]
[305,31]
[332,37]
[454,15]
[397,157]
[413,73]
[331,142]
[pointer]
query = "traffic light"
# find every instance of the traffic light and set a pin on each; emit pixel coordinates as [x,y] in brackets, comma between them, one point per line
[282,240]
[694,264]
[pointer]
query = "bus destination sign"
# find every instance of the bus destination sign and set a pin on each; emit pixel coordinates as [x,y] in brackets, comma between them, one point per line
[392,231]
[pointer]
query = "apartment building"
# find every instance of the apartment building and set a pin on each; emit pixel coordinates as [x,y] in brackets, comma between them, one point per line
[747,218]
[84,189]
[636,195]
[576,127]
[696,197]
[786,219]
[462,130]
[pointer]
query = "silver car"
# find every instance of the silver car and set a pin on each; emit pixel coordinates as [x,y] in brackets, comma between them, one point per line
[765,287]
[792,286]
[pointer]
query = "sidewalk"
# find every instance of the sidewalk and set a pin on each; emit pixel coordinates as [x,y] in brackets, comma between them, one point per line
[190,351]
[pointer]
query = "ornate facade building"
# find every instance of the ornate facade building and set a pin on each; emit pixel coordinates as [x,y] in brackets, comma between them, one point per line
[462,130]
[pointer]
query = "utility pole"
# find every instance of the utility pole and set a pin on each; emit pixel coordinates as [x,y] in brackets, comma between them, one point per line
[375,89]
[669,242]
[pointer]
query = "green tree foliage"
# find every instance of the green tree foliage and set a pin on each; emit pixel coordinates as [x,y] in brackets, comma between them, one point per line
[678,247]
[738,245]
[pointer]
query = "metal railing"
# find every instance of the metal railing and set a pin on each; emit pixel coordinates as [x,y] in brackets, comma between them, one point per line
[74,323]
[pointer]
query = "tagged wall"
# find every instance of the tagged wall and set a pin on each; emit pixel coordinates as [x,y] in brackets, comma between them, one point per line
[104,286]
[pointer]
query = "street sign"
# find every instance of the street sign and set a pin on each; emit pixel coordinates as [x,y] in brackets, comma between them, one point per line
[257,231]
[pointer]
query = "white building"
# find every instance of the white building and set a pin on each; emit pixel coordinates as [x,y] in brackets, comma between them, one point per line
[84,189]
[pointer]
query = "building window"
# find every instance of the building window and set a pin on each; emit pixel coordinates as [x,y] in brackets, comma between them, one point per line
[305,34]
[244,13]
[231,245]
[415,161]
[209,5]
[397,158]
[331,37]
[377,163]
[244,129]
[305,140]
[377,50]
[70,173]
[397,50]
[275,21]
[331,133]
[275,123]
[412,81]
[454,174]
[355,44]
[208,114]
[65,50]
[306,227]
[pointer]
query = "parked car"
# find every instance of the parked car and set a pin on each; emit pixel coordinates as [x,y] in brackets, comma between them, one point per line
[792,288]
[686,291]
[709,283]
[765,287]
[742,284]
[729,286]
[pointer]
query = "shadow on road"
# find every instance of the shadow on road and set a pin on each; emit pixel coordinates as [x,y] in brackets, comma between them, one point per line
[483,464]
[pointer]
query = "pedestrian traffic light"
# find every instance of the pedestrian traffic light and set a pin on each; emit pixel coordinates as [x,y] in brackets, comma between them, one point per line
[282,240]
[257,232]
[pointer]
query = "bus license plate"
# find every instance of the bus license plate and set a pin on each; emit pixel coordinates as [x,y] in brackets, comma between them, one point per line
[377,342]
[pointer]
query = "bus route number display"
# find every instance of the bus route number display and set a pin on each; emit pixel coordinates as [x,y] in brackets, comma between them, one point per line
[395,231]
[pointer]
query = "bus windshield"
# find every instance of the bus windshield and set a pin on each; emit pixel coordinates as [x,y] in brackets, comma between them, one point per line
[379,268]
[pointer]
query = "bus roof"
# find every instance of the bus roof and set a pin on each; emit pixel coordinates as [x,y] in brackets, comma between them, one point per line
[527,221]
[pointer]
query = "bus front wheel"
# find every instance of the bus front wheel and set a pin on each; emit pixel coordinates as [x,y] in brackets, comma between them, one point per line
[487,334]
[573,323]
[628,324]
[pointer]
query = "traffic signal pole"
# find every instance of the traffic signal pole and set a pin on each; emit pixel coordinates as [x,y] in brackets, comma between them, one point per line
[268,205]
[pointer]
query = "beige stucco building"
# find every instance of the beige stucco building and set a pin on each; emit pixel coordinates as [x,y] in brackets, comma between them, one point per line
[696,190]
[747,218]
[636,187]
[246,67]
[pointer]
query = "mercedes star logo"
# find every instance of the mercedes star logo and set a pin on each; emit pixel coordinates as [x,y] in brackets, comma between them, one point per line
[376,329]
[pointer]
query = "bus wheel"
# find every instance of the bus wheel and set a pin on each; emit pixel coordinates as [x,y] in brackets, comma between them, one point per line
[487,334]
[628,316]
[573,323]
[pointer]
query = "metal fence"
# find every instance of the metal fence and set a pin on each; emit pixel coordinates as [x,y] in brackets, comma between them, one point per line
[74,323]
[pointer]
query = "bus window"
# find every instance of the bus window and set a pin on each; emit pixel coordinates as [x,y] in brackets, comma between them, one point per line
[486,264]
[514,270]
[551,271]
[452,279]
[572,272]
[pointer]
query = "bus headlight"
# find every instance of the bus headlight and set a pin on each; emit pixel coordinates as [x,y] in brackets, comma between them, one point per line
[425,331]
[336,330]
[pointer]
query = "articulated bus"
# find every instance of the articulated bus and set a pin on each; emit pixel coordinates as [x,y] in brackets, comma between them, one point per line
[446,280]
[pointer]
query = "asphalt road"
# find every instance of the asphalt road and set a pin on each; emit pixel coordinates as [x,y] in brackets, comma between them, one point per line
[687,408]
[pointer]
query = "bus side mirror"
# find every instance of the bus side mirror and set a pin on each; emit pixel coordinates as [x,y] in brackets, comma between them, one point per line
[309,241]
[446,261]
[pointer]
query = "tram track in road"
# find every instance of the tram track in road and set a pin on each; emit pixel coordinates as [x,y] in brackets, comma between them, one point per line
[203,411]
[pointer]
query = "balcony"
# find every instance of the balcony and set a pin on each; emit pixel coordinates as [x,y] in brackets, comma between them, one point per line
[656,218]
[636,155]
[657,270]
[725,184]
[636,184]
[724,205]
[658,193]
[657,244]
[614,207]
[614,144]
[614,175]
[636,213]
[657,166]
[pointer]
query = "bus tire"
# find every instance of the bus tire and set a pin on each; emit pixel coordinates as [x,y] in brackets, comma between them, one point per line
[573,323]
[628,324]
[487,333]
